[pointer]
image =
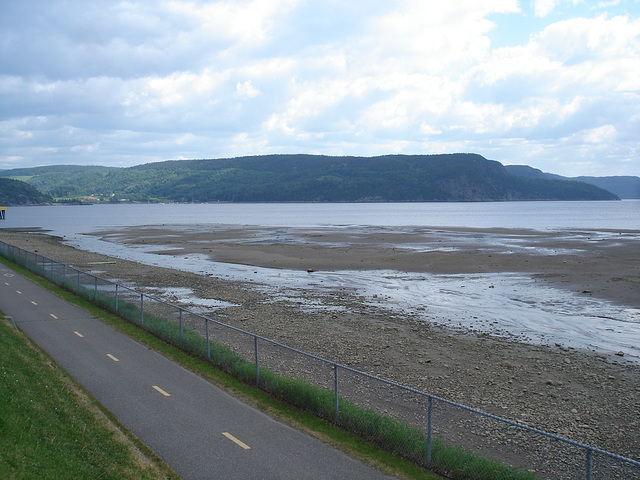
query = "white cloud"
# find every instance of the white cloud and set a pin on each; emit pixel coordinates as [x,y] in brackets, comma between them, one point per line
[435,37]
[429,130]
[85,148]
[600,37]
[247,89]
[248,22]
[595,136]
[542,8]
[178,87]
[138,81]
[11,161]
[611,3]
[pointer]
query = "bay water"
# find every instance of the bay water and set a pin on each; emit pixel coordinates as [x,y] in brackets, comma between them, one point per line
[73,219]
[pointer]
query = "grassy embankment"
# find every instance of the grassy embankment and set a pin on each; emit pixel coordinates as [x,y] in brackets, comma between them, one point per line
[50,428]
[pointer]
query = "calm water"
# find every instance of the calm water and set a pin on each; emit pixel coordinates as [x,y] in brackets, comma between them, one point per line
[515,305]
[69,220]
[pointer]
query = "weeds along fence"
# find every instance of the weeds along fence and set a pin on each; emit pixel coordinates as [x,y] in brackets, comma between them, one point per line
[443,436]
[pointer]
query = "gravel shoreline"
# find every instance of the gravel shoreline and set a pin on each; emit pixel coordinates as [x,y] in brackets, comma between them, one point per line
[578,395]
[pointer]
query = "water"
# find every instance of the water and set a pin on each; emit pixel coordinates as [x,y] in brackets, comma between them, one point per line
[511,305]
[74,219]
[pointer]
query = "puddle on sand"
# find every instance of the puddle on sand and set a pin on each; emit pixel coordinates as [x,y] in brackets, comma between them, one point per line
[186,296]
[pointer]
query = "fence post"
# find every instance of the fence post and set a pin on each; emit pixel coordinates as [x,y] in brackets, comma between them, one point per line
[78,282]
[589,463]
[116,298]
[95,289]
[429,418]
[255,347]
[206,322]
[180,327]
[142,309]
[64,275]
[335,393]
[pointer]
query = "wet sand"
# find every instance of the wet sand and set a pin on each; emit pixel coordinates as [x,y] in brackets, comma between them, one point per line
[605,264]
[580,395]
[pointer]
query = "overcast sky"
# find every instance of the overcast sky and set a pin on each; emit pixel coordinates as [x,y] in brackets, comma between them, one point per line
[554,84]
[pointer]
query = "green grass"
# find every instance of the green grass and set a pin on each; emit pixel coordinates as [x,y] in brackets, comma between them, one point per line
[394,446]
[50,428]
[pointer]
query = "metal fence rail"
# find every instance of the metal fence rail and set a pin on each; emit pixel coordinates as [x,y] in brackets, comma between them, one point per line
[425,425]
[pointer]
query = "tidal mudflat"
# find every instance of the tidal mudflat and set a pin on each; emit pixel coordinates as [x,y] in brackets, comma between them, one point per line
[578,289]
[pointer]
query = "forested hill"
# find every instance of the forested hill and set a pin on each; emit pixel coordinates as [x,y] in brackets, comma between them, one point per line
[15,192]
[622,186]
[310,178]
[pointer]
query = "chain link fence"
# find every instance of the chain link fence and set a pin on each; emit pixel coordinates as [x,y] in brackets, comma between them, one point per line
[446,437]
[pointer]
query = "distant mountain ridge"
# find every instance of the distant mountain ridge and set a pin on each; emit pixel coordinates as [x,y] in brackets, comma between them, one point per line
[307,178]
[622,186]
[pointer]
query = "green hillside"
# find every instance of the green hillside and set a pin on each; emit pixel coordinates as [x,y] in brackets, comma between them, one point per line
[62,181]
[621,186]
[15,192]
[309,178]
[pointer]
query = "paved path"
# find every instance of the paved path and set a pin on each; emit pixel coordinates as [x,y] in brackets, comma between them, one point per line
[197,428]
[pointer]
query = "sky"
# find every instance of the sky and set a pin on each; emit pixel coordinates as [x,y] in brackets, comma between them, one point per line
[554,84]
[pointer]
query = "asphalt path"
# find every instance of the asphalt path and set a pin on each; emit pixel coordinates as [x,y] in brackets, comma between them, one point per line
[198,429]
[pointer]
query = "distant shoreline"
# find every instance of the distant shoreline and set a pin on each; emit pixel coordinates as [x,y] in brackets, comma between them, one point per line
[285,202]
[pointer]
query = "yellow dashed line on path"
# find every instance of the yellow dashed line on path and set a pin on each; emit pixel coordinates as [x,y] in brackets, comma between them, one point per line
[161,391]
[112,357]
[79,334]
[18,292]
[34,303]
[236,441]
[53,316]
